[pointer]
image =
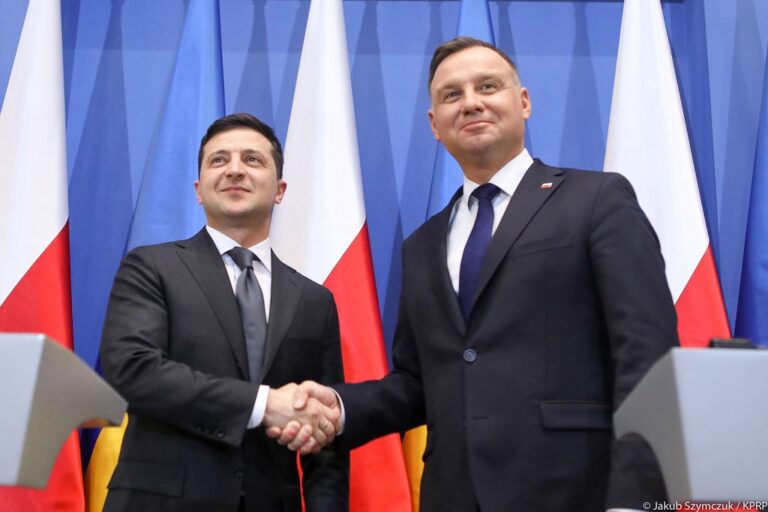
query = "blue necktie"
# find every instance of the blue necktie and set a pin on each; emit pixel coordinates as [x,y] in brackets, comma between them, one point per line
[251,303]
[477,246]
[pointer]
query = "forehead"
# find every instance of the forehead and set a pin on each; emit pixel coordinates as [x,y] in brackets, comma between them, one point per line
[238,139]
[469,62]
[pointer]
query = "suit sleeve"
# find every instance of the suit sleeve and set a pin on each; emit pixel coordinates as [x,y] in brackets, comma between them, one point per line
[396,402]
[640,320]
[326,474]
[135,357]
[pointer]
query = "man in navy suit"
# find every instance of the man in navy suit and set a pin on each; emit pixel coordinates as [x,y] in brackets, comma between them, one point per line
[530,307]
[178,345]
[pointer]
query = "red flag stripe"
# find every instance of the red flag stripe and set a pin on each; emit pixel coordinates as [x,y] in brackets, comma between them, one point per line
[700,311]
[354,290]
[41,302]
[378,477]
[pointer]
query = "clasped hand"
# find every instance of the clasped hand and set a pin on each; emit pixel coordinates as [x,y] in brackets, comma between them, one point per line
[303,417]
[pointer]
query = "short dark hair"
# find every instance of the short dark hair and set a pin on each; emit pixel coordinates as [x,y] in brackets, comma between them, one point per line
[458,44]
[243,120]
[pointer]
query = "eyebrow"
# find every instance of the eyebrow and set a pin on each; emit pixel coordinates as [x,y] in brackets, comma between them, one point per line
[254,152]
[227,152]
[481,78]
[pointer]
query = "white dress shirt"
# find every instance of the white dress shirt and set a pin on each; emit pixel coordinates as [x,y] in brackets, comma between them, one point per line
[262,269]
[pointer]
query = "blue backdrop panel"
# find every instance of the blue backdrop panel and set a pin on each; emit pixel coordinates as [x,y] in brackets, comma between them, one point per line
[119,55]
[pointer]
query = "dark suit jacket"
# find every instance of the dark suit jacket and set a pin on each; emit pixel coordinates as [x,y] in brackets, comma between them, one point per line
[572,309]
[173,346]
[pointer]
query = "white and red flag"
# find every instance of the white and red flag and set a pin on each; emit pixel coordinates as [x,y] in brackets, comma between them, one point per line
[34,261]
[320,229]
[648,143]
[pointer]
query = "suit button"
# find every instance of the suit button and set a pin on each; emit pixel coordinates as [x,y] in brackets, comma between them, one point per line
[239,473]
[219,434]
[470,355]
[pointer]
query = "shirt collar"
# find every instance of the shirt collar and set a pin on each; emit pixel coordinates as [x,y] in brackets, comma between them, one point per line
[223,244]
[507,178]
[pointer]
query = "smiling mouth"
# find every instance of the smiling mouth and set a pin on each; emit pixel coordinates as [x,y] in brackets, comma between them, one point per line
[234,189]
[475,124]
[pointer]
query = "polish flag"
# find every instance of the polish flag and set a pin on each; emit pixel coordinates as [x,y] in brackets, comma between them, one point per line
[320,229]
[648,143]
[34,262]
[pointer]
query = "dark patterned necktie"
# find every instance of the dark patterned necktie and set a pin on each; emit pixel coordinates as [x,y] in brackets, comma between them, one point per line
[251,303]
[477,246]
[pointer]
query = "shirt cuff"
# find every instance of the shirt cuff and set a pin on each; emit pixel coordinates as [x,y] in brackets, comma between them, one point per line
[259,407]
[343,417]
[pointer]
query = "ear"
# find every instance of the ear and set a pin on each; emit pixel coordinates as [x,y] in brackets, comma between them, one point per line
[281,186]
[197,192]
[432,125]
[525,101]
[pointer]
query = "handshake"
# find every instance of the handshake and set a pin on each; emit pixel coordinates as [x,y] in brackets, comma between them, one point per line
[304,417]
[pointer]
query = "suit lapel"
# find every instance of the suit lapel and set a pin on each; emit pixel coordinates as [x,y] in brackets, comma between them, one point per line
[538,184]
[204,262]
[442,277]
[286,292]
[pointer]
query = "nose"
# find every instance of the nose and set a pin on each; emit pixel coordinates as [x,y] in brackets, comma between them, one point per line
[235,168]
[471,102]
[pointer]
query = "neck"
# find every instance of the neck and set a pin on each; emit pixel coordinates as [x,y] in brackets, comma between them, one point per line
[246,236]
[479,175]
[481,168]
[481,172]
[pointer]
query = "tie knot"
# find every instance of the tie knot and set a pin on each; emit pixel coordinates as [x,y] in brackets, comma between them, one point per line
[486,191]
[242,257]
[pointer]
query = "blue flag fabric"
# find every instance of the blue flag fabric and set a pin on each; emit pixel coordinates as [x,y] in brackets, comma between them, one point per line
[752,313]
[166,208]
[474,21]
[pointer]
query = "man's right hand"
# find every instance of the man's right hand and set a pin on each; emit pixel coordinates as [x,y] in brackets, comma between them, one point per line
[316,417]
[303,417]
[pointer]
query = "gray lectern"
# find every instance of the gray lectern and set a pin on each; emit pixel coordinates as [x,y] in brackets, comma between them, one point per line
[45,393]
[705,414]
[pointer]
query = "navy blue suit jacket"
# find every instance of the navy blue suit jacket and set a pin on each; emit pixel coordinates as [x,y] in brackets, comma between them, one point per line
[572,309]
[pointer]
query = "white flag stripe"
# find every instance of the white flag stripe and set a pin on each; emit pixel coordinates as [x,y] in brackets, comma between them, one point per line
[323,209]
[648,140]
[33,173]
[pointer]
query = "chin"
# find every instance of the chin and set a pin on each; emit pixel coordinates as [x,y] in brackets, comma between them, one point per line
[476,150]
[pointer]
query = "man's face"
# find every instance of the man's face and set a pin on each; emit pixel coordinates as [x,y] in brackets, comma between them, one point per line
[238,179]
[478,109]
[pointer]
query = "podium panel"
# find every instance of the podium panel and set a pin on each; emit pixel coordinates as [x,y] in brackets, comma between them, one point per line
[45,393]
[704,413]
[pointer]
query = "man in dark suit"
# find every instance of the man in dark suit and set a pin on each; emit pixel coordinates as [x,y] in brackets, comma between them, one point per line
[179,345]
[530,308]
